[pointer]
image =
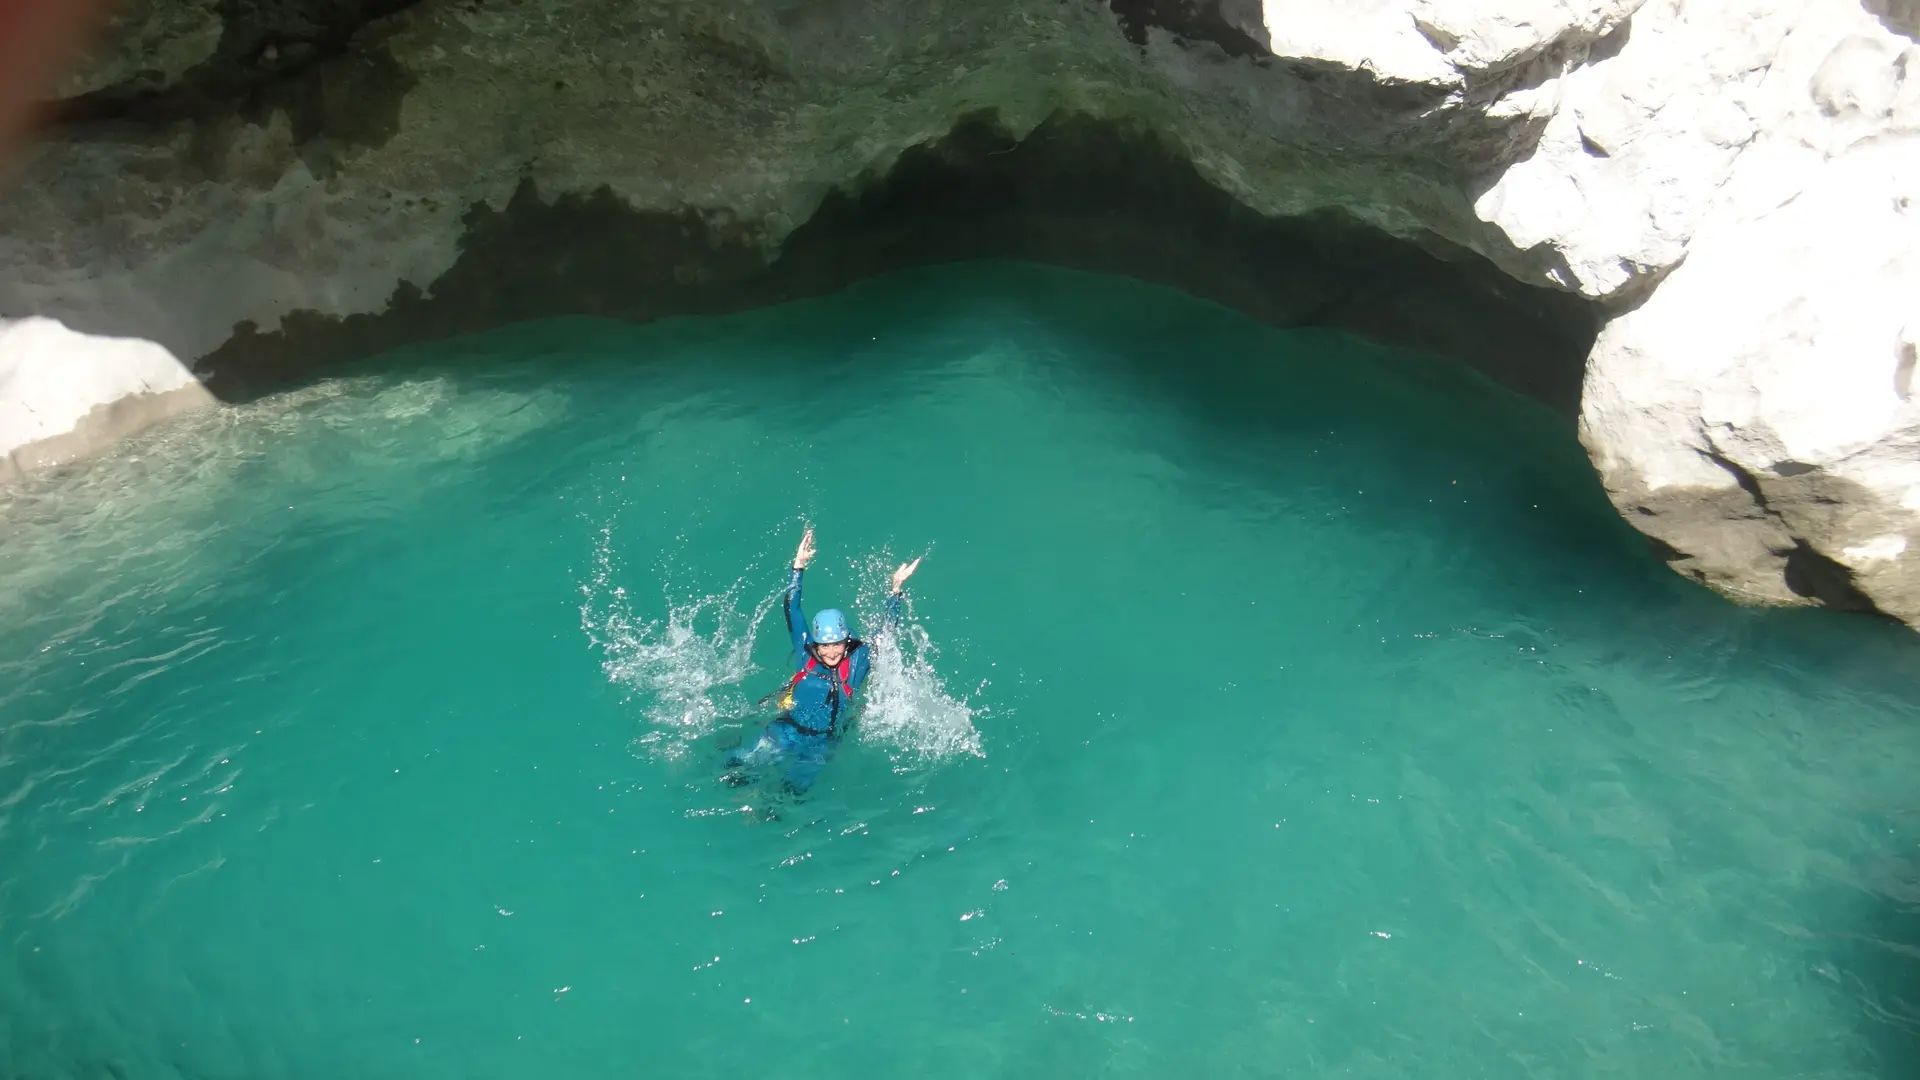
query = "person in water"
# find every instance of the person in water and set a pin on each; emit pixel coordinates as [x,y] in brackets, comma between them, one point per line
[833,667]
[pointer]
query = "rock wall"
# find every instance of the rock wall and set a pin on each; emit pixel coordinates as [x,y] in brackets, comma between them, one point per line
[270,189]
[321,186]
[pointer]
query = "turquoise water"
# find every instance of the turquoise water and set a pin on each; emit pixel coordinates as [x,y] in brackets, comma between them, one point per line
[1273,705]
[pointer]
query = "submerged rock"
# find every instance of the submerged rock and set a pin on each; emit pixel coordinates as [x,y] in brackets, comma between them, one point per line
[1725,186]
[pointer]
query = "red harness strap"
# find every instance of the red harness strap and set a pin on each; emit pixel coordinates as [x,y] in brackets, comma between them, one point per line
[844,669]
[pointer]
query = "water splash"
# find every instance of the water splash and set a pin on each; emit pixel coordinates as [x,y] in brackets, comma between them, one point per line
[908,711]
[691,670]
[690,681]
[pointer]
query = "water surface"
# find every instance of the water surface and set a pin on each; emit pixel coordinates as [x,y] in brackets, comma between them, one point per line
[1272,704]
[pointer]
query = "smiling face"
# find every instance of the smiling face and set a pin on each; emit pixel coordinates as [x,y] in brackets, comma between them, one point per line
[831,655]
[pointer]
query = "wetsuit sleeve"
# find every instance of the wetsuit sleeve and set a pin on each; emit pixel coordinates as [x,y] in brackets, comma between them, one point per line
[862,667]
[862,658]
[796,618]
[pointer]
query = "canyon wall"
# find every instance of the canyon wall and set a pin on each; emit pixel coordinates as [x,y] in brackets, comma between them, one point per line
[1722,192]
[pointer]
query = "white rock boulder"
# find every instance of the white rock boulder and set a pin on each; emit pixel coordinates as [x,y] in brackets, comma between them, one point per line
[1756,413]
[64,394]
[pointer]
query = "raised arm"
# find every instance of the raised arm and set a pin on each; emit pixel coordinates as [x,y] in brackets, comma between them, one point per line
[797,615]
[897,599]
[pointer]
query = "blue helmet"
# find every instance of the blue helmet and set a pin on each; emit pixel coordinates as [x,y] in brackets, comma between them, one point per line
[830,626]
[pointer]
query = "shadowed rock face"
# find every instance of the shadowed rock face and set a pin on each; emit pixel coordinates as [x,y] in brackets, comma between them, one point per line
[171,59]
[1769,558]
[1237,26]
[324,183]
[1075,191]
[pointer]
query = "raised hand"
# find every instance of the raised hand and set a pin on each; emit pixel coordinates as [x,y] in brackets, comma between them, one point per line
[901,575]
[805,555]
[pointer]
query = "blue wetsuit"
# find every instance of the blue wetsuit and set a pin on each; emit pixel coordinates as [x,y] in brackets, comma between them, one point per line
[804,735]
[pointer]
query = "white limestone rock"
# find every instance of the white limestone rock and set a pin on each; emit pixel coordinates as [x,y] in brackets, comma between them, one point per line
[1375,35]
[1481,37]
[1438,41]
[1639,143]
[1757,413]
[64,395]
[1749,171]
